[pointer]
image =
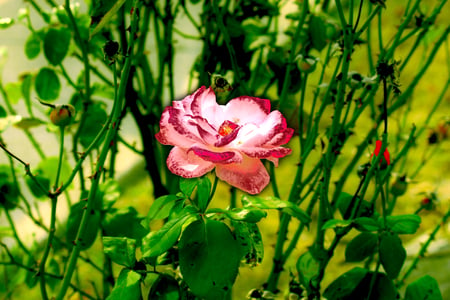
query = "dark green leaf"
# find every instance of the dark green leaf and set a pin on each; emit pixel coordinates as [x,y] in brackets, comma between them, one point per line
[47,84]
[158,242]
[121,250]
[361,246]
[317,32]
[424,288]
[35,189]
[124,222]
[392,254]
[73,223]
[275,203]
[162,206]
[95,119]
[203,191]
[209,258]
[250,241]
[53,268]
[345,204]
[105,18]
[308,269]
[127,286]
[56,44]
[165,287]
[403,224]
[344,285]
[380,287]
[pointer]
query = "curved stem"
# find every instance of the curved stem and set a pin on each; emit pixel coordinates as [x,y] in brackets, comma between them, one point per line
[61,154]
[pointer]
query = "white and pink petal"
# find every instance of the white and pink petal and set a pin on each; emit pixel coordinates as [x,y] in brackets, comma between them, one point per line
[186,164]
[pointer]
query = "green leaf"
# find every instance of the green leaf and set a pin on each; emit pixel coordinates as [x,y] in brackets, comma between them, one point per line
[27,123]
[53,268]
[424,288]
[209,258]
[121,250]
[361,246]
[124,222]
[187,186]
[275,203]
[336,223]
[308,269]
[27,82]
[95,119]
[366,224]
[344,203]
[317,32]
[73,223]
[162,206]
[251,214]
[165,287]
[158,242]
[47,84]
[344,285]
[403,224]
[33,45]
[13,90]
[35,189]
[203,191]
[127,286]
[392,254]
[56,44]
[109,192]
[48,168]
[250,241]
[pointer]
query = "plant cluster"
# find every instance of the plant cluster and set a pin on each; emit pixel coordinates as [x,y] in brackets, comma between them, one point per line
[323,84]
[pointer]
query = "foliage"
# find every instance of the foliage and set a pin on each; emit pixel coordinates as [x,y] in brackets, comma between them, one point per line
[344,83]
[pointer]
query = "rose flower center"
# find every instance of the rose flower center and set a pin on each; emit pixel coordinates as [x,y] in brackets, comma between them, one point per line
[227,127]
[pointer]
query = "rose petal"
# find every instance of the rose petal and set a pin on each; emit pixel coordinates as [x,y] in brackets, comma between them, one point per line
[245,109]
[204,105]
[249,176]
[277,152]
[171,135]
[225,157]
[187,164]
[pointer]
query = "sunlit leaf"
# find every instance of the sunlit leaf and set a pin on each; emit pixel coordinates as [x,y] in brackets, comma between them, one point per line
[6,22]
[334,223]
[275,203]
[161,207]
[251,214]
[127,286]
[27,123]
[121,250]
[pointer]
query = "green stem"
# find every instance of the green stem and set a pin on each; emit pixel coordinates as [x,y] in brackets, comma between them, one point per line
[116,112]
[61,154]
[423,250]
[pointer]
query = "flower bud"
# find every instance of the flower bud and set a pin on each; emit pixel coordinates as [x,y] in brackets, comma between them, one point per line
[399,186]
[62,115]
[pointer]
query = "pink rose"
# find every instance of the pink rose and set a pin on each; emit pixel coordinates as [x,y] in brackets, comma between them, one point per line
[231,138]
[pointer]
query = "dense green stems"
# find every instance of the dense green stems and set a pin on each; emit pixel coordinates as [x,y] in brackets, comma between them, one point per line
[423,250]
[231,52]
[293,52]
[112,130]
[51,234]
